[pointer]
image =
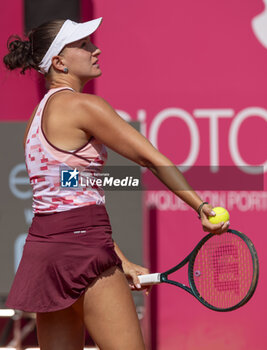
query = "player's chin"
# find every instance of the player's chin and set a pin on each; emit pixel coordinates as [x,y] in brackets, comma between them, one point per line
[97,71]
[97,74]
[94,73]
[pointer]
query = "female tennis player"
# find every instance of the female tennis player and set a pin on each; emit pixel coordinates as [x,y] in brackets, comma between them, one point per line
[72,274]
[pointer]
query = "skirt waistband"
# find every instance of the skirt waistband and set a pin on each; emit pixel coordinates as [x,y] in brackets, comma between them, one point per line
[69,221]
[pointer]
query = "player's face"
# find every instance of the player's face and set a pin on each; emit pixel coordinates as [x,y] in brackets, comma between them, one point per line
[81,58]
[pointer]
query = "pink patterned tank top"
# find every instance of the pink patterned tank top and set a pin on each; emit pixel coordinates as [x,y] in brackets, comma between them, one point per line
[45,164]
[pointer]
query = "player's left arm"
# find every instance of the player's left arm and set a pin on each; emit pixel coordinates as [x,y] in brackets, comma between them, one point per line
[98,118]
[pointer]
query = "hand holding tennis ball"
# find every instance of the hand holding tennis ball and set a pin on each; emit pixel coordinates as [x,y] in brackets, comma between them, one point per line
[222,215]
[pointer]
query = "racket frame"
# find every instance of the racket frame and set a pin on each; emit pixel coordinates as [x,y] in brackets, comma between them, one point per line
[254,282]
[163,277]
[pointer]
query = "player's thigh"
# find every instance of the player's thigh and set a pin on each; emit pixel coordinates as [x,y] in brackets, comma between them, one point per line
[110,314]
[60,330]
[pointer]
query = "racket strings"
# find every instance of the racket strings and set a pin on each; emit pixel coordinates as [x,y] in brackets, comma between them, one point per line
[223,270]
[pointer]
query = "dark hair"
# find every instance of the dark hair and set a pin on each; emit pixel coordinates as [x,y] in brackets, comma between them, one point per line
[29,53]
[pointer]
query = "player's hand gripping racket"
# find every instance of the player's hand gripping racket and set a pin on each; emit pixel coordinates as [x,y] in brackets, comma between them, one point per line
[223,271]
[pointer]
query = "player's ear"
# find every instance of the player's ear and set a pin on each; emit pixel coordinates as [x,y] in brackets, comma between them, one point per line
[58,63]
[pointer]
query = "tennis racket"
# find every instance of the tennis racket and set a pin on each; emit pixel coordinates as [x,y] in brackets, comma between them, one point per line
[223,271]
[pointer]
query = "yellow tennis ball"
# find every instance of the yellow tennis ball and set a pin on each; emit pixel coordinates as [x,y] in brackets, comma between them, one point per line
[222,215]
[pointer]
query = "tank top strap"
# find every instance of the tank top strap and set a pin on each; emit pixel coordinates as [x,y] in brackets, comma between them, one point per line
[46,97]
[36,122]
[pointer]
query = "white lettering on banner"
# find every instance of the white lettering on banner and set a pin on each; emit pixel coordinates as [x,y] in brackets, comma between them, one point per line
[141,117]
[243,201]
[18,249]
[15,179]
[193,129]
[28,214]
[215,198]
[247,201]
[214,115]
[164,200]
[233,138]
[124,115]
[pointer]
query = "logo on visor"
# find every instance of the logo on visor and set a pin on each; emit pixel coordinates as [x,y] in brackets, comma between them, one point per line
[69,178]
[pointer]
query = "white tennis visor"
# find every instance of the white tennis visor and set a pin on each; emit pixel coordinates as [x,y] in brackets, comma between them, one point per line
[69,32]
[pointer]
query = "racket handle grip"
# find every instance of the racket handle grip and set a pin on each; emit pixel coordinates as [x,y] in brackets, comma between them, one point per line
[152,278]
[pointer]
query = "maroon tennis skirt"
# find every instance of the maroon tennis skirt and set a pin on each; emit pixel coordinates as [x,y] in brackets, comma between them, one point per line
[63,254]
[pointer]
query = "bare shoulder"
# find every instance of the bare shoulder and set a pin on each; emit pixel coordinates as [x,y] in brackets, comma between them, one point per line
[70,111]
[93,109]
[64,99]
[93,103]
[81,103]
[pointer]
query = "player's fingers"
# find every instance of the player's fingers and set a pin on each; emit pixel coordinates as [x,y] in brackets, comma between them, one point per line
[218,228]
[212,228]
[207,210]
[132,286]
[207,224]
[225,227]
[145,271]
[134,272]
[134,275]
